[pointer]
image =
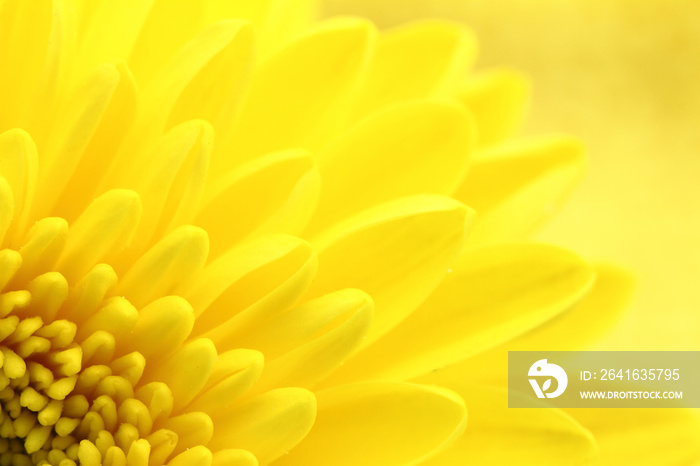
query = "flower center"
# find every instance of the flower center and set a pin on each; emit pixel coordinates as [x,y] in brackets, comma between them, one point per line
[40,369]
[66,400]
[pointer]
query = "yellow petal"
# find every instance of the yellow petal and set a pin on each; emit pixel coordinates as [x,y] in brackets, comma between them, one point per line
[272,194]
[35,42]
[162,327]
[88,453]
[100,233]
[380,423]
[163,443]
[158,398]
[591,319]
[285,21]
[528,437]
[307,343]
[71,134]
[42,246]
[268,425]
[397,252]
[255,12]
[491,296]
[86,296]
[13,365]
[498,99]
[275,21]
[174,260]
[23,41]
[11,300]
[99,154]
[643,437]
[320,72]
[192,428]
[49,292]
[575,330]
[130,367]
[112,30]
[61,333]
[98,348]
[170,180]
[125,436]
[118,317]
[202,81]
[134,413]
[186,371]
[516,186]
[419,60]
[412,148]
[10,263]
[250,285]
[234,457]
[24,329]
[306,322]
[114,456]
[7,207]
[56,74]
[138,453]
[164,30]
[198,455]
[214,94]
[235,371]
[181,170]
[18,165]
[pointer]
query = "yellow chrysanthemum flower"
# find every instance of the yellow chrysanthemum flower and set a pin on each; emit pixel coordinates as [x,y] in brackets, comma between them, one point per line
[156,158]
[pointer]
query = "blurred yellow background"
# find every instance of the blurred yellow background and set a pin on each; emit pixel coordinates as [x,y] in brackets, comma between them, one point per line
[624,76]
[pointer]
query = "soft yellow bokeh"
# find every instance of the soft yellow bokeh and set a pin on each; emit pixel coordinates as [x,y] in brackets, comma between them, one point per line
[622,76]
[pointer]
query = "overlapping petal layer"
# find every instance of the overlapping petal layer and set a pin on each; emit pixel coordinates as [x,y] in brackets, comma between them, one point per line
[381,423]
[156,310]
[530,436]
[491,296]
